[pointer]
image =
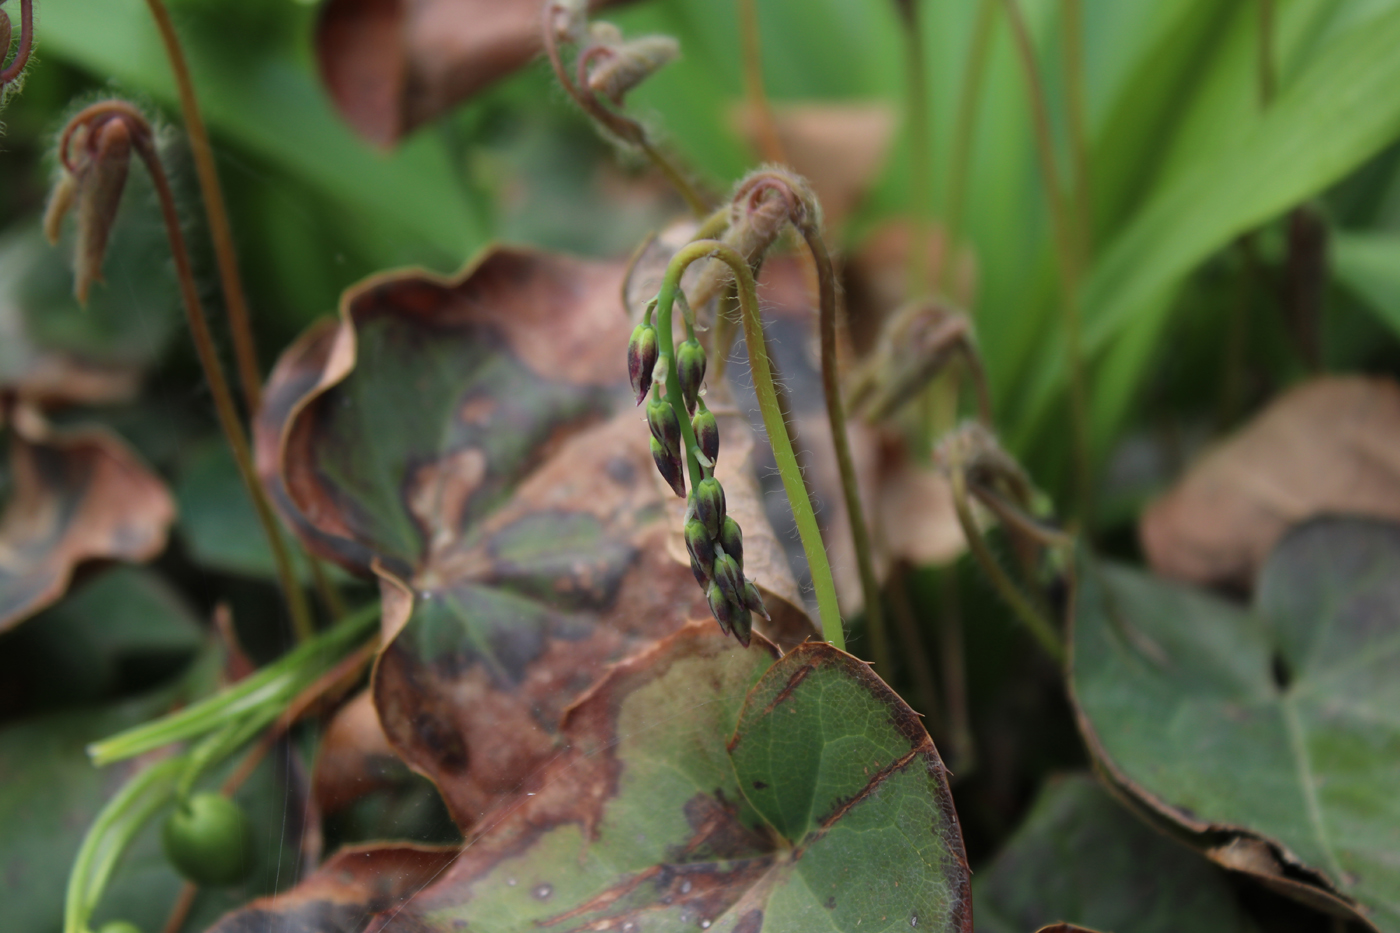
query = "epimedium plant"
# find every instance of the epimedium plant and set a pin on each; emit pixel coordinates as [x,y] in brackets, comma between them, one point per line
[468,444]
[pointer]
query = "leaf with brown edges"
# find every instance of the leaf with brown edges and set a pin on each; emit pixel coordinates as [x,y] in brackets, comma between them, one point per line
[392,65]
[75,496]
[472,441]
[701,785]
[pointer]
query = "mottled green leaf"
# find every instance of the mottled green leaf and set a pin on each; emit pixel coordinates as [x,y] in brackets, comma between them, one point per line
[1278,723]
[650,815]
[1081,857]
[472,442]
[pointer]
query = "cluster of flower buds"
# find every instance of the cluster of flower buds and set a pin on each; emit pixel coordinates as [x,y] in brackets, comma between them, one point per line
[716,546]
[609,65]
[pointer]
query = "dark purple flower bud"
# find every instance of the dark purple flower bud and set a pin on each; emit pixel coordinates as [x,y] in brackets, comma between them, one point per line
[701,577]
[753,601]
[701,547]
[690,370]
[709,505]
[730,615]
[729,578]
[706,433]
[642,351]
[742,626]
[665,426]
[731,538]
[669,466]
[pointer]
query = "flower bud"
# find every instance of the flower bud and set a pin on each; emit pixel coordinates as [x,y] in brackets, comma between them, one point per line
[709,505]
[729,578]
[690,370]
[701,577]
[701,547]
[95,196]
[742,625]
[665,426]
[731,538]
[753,601]
[706,430]
[669,466]
[629,64]
[641,359]
[727,613]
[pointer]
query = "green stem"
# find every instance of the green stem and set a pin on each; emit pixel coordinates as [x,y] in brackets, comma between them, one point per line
[1072,33]
[920,152]
[1038,625]
[770,146]
[788,469]
[836,417]
[113,830]
[1067,253]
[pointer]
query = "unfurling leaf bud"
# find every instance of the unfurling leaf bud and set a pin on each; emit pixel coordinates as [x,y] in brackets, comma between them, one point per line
[665,426]
[731,616]
[669,466]
[701,547]
[731,538]
[629,64]
[97,197]
[709,505]
[706,430]
[641,359]
[729,577]
[690,370]
[753,601]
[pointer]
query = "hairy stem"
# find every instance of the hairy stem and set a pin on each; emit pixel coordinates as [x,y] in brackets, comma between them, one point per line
[623,128]
[788,469]
[1037,624]
[245,351]
[26,44]
[223,397]
[770,146]
[1066,251]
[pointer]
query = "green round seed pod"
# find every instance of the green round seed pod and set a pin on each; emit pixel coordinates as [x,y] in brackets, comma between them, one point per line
[209,840]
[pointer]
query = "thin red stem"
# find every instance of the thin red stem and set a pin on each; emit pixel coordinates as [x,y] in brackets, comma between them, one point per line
[26,43]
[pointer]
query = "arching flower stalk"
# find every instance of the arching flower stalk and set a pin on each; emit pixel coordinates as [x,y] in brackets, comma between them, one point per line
[11,73]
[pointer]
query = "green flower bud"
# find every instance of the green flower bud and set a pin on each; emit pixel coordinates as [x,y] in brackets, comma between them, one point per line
[726,612]
[729,578]
[742,626]
[753,601]
[209,840]
[701,547]
[665,426]
[731,538]
[701,577]
[706,433]
[690,370]
[669,466]
[642,351]
[709,505]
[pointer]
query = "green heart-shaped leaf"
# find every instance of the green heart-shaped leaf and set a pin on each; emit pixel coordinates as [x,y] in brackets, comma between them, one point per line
[654,812]
[1280,724]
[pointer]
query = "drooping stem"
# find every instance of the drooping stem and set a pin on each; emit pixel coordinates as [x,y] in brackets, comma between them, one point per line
[26,44]
[770,146]
[223,398]
[622,127]
[1067,253]
[968,97]
[916,105]
[245,351]
[1039,627]
[1072,34]
[902,609]
[788,469]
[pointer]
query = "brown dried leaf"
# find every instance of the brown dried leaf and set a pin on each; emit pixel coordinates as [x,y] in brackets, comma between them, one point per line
[392,65]
[354,757]
[1331,445]
[350,892]
[77,496]
[838,148]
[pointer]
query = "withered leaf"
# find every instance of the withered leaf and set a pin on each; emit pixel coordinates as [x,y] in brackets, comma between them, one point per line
[1330,445]
[392,65]
[460,441]
[76,495]
[701,785]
